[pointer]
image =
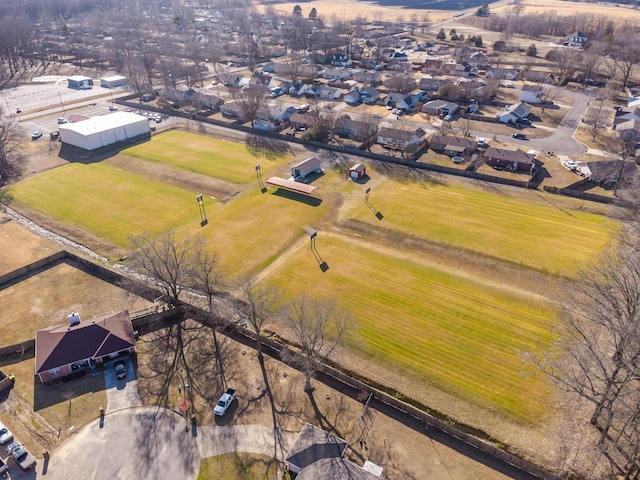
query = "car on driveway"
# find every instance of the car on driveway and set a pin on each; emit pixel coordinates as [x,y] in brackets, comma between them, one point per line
[21,456]
[5,435]
[113,108]
[121,371]
[36,135]
[519,136]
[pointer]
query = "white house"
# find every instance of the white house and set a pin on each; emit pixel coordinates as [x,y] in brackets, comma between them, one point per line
[306,167]
[576,39]
[531,93]
[514,112]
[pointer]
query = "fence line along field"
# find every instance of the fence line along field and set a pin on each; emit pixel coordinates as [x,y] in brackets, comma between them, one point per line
[449,326]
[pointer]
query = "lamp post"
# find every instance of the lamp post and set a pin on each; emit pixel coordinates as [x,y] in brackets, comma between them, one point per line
[312,236]
[258,175]
[366,195]
[203,214]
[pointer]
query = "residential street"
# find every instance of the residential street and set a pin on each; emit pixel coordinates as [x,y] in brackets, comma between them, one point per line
[151,443]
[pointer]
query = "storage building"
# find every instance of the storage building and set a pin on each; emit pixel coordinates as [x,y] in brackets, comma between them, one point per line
[81,82]
[100,131]
[113,81]
[306,167]
[357,171]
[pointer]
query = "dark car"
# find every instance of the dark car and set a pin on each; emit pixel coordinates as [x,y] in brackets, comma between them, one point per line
[121,372]
[519,136]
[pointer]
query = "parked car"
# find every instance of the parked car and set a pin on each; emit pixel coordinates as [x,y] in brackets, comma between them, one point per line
[113,108]
[5,435]
[482,142]
[225,401]
[376,115]
[36,135]
[524,121]
[121,371]
[448,118]
[21,456]
[4,468]
[519,136]
[62,120]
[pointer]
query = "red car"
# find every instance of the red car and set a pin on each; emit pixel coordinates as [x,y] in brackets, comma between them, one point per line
[121,372]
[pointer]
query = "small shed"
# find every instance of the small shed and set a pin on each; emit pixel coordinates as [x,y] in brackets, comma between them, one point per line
[306,167]
[113,81]
[357,171]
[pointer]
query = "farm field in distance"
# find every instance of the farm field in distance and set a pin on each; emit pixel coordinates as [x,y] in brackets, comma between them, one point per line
[450,327]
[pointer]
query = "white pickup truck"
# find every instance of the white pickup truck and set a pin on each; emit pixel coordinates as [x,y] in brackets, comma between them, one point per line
[226,399]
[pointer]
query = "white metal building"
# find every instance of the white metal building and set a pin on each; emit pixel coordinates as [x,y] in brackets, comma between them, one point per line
[113,81]
[80,81]
[100,131]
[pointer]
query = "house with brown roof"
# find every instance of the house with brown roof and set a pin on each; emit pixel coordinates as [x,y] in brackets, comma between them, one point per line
[63,350]
[515,160]
[301,121]
[400,138]
[450,145]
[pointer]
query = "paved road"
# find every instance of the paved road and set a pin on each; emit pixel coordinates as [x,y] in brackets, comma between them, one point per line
[151,443]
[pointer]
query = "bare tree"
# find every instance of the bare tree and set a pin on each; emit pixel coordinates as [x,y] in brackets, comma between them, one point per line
[10,156]
[294,66]
[401,83]
[597,356]
[250,101]
[168,259]
[318,328]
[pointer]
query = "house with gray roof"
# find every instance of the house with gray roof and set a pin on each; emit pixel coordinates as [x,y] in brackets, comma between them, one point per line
[513,113]
[515,160]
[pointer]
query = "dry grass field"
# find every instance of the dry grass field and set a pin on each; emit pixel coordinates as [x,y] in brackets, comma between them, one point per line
[32,246]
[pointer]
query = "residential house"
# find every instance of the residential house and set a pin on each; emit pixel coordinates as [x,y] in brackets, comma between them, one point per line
[397,56]
[403,101]
[336,74]
[325,92]
[302,121]
[369,77]
[205,98]
[540,76]
[354,129]
[628,129]
[63,350]
[576,39]
[353,98]
[452,146]
[369,95]
[275,113]
[515,160]
[513,113]
[502,74]
[463,69]
[318,455]
[611,173]
[479,59]
[440,107]
[232,110]
[531,94]
[229,79]
[432,66]
[427,84]
[595,80]
[266,81]
[340,59]
[401,138]
[400,66]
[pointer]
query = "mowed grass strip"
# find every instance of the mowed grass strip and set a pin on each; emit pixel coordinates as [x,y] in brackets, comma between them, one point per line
[229,161]
[540,236]
[237,466]
[252,230]
[463,336]
[105,201]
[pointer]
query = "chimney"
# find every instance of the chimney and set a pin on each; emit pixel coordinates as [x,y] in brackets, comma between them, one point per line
[74,318]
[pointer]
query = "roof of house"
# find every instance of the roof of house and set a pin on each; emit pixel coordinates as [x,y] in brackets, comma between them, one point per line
[509,155]
[401,134]
[532,88]
[319,456]
[520,109]
[62,345]
[452,141]
[440,104]
[612,171]
[305,118]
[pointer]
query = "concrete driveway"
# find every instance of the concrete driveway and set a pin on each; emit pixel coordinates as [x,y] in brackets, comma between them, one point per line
[151,443]
[121,393]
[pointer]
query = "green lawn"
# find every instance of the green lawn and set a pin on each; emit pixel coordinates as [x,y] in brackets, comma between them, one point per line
[229,161]
[537,235]
[237,466]
[464,336]
[105,201]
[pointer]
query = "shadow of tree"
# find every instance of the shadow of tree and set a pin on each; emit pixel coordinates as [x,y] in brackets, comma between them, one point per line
[267,148]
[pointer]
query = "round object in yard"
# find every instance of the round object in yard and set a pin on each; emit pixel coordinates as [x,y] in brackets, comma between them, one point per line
[457,159]
[183,404]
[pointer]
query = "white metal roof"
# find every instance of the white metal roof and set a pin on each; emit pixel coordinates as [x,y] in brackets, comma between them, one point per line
[113,78]
[79,78]
[103,123]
